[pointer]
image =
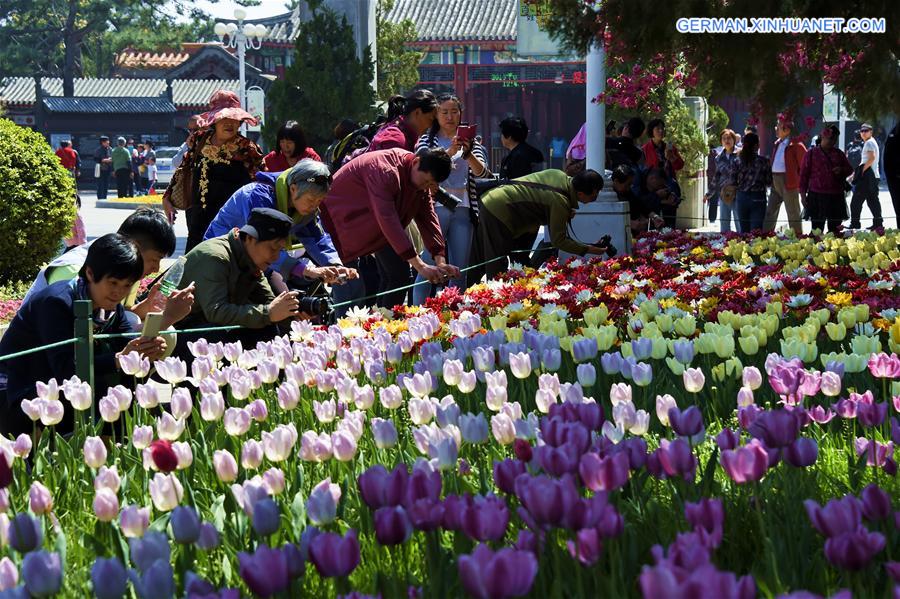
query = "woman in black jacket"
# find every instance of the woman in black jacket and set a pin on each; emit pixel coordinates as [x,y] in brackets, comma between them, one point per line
[523,158]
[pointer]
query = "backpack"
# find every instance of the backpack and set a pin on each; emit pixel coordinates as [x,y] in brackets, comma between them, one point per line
[353,144]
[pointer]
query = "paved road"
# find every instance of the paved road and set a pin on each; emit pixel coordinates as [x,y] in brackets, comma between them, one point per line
[99,221]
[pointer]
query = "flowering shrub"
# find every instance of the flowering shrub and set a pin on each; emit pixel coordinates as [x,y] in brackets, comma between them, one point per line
[620,428]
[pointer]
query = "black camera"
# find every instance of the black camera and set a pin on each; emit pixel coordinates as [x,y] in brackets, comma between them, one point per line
[606,241]
[314,306]
[447,199]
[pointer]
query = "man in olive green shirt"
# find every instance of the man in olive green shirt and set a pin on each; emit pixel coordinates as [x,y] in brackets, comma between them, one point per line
[121,166]
[546,198]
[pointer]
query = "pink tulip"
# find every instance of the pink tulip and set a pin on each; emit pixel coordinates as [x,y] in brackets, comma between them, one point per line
[315,447]
[165,491]
[604,474]
[251,454]
[693,379]
[22,446]
[225,465]
[237,421]
[751,378]
[9,574]
[333,555]
[831,384]
[258,410]
[94,452]
[886,366]
[106,505]
[288,395]
[506,573]
[107,478]
[184,454]
[141,437]
[746,464]
[343,445]
[40,500]
[273,481]
[134,521]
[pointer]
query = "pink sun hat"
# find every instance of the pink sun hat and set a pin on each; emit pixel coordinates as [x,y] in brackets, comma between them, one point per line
[224,104]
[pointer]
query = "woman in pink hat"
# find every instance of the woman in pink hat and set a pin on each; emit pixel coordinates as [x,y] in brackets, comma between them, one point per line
[220,160]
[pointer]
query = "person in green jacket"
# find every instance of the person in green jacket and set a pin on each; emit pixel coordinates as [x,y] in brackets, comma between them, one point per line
[231,287]
[546,198]
[121,166]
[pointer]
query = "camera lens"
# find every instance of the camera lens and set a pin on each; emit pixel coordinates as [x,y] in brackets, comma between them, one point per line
[316,306]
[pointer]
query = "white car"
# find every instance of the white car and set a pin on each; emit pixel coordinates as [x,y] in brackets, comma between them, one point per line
[164,168]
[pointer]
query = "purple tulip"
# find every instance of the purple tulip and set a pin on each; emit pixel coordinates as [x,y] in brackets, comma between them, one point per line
[547,500]
[506,573]
[747,415]
[707,517]
[109,578]
[854,550]
[839,516]
[642,374]
[505,474]
[296,564]
[687,423]
[379,488]
[426,515]
[151,548]
[209,537]
[551,359]
[334,555]
[675,458]
[876,503]
[557,461]
[683,351]
[25,533]
[785,379]
[266,517]
[871,414]
[845,408]
[893,570]
[584,350]
[746,464]
[454,510]
[604,474]
[820,415]
[392,525]
[611,363]
[423,484]
[185,524]
[590,415]
[528,541]
[642,347]
[586,547]
[156,581]
[664,581]
[486,519]
[265,571]
[802,453]
[728,439]
[776,428]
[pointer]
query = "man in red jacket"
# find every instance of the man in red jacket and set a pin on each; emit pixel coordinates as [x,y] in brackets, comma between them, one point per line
[373,199]
[787,158]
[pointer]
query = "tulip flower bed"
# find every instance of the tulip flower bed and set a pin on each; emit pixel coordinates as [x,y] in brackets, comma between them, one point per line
[709,418]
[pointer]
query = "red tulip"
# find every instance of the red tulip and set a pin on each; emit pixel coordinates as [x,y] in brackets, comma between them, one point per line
[163,455]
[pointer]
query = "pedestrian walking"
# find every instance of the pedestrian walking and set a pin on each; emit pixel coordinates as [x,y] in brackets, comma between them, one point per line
[787,156]
[722,205]
[865,181]
[823,181]
[103,167]
[121,166]
[750,178]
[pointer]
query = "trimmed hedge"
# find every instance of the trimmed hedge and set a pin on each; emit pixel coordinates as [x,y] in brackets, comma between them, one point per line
[37,202]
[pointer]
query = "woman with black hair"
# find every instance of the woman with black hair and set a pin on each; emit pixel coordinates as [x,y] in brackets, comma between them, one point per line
[408,118]
[751,175]
[469,159]
[660,153]
[112,266]
[291,148]
[823,176]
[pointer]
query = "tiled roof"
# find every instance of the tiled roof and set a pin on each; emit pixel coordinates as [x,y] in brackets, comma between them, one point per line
[185,92]
[436,20]
[133,59]
[110,105]
[463,20]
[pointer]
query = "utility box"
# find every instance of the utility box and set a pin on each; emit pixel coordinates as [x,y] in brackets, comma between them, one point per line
[606,216]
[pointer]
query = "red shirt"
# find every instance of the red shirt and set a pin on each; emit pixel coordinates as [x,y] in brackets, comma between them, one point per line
[397,134]
[816,173]
[67,157]
[651,158]
[275,162]
[372,201]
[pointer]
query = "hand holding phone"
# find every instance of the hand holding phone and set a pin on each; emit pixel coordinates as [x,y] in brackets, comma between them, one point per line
[466,131]
[152,324]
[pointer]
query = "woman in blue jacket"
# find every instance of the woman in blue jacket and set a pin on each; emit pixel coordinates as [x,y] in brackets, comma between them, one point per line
[297,193]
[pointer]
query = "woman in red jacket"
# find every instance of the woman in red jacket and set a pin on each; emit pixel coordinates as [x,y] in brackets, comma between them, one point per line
[659,153]
[408,118]
[292,148]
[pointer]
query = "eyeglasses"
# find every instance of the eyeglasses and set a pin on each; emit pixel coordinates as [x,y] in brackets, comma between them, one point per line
[321,180]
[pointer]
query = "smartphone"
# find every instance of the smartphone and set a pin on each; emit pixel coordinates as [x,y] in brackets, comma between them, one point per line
[467,131]
[152,324]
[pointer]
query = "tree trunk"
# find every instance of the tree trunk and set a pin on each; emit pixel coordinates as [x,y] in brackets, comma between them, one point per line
[72,42]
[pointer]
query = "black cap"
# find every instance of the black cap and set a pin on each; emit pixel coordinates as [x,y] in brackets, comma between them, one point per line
[266,223]
[865,127]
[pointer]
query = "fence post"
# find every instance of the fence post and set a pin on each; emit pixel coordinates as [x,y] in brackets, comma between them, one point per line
[84,344]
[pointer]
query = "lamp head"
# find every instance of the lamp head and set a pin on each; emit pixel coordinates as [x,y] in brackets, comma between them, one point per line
[240,14]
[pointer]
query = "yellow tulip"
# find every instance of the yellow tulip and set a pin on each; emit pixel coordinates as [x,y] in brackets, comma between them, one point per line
[686,326]
[704,343]
[665,322]
[565,343]
[651,330]
[626,350]
[823,315]
[836,331]
[718,372]
[863,344]
[856,363]
[847,316]
[660,348]
[862,312]
[607,337]
[596,315]
[749,345]
[515,335]
[723,345]
[649,309]
[793,348]
[812,352]
[895,330]
[498,322]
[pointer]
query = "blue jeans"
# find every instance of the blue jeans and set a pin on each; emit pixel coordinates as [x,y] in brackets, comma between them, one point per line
[725,213]
[456,227]
[102,184]
[751,210]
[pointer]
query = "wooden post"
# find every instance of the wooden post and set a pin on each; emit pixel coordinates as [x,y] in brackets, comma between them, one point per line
[84,346]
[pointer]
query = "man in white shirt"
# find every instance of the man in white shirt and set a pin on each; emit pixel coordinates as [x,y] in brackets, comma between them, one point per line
[787,157]
[865,181]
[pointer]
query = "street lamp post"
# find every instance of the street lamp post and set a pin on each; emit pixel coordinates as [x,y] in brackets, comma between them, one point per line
[241,37]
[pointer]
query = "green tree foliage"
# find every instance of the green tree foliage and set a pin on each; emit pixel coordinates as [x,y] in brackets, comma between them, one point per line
[74,38]
[326,82]
[37,202]
[398,65]
[774,69]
